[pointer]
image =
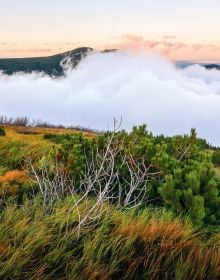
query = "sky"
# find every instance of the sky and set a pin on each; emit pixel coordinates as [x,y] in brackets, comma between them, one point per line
[181,30]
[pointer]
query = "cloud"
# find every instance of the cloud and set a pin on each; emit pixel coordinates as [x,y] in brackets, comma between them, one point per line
[8,44]
[169,37]
[4,43]
[197,47]
[139,86]
[129,40]
[69,43]
[30,50]
[165,46]
[169,46]
[205,47]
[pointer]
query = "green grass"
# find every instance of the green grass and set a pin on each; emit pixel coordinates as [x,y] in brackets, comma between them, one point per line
[42,243]
[39,242]
[23,142]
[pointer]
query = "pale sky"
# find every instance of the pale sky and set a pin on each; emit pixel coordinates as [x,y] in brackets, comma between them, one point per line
[179,29]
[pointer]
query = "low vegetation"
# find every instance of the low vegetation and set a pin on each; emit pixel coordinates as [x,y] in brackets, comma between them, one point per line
[113,205]
[38,243]
[25,124]
[2,131]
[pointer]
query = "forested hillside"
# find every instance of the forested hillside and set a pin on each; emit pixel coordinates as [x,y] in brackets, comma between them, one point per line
[51,65]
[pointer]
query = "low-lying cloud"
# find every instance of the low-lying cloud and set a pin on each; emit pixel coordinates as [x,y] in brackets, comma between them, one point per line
[140,87]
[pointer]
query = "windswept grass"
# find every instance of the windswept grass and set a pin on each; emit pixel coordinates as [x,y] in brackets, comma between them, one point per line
[38,243]
[27,142]
[62,239]
[17,146]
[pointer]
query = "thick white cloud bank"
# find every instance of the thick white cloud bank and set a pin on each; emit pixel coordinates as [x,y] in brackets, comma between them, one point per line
[139,87]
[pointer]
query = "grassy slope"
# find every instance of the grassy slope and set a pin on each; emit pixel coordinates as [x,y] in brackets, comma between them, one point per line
[20,142]
[37,243]
[34,134]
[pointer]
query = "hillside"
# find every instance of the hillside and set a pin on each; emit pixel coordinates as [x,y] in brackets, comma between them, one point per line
[20,142]
[51,65]
[116,205]
[212,66]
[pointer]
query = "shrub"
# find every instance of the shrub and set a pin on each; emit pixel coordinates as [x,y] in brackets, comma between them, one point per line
[2,132]
[185,182]
[216,157]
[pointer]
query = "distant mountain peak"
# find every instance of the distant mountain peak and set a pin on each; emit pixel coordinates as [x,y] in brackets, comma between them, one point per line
[51,65]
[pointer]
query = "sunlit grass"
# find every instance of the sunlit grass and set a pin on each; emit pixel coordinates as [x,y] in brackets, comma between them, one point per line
[38,243]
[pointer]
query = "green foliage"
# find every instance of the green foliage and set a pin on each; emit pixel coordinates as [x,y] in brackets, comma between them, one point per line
[41,243]
[11,153]
[216,157]
[186,183]
[2,132]
[150,242]
[75,148]
[195,188]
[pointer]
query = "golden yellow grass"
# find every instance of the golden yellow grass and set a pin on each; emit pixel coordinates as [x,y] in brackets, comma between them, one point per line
[24,133]
[32,143]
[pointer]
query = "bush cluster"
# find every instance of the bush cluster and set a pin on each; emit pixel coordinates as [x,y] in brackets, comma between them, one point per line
[2,132]
[187,182]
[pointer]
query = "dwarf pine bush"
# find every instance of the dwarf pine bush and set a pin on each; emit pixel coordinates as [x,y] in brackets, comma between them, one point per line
[2,132]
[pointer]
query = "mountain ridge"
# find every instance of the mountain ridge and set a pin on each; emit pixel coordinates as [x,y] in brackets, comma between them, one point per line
[52,65]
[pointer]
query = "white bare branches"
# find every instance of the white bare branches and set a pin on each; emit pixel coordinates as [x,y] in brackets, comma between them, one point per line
[110,176]
[53,183]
